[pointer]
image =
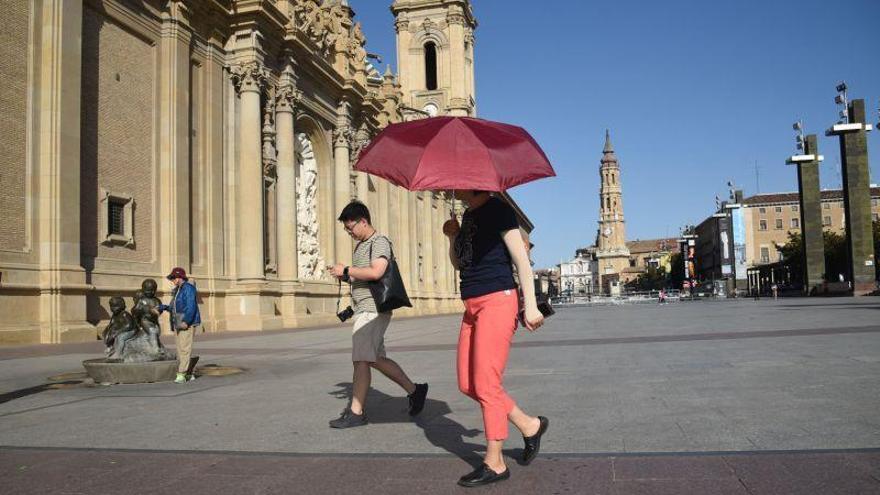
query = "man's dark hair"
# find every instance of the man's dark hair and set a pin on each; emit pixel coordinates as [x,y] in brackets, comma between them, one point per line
[355,211]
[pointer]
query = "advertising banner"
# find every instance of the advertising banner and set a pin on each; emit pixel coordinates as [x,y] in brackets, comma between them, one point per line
[725,246]
[739,243]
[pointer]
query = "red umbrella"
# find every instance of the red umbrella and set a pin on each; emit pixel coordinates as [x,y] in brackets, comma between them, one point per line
[455,153]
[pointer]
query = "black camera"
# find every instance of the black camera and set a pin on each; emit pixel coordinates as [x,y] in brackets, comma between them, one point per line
[345,314]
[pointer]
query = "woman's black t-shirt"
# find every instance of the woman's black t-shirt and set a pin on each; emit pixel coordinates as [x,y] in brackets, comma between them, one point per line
[484,261]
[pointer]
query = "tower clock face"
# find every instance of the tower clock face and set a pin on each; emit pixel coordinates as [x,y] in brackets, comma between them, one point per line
[607,231]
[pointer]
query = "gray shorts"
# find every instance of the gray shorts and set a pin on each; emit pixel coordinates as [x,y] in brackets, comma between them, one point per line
[368,336]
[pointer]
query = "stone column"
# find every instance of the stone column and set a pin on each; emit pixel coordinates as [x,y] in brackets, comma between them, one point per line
[383,206]
[404,60]
[288,261]
[811,213]
[428,249]
[459,104]
[342,181]
[362,180]
[415,252]
[57,163]
[174,135]
[438,267]
[249,79]
[857,197]
[404,247]
[288,250]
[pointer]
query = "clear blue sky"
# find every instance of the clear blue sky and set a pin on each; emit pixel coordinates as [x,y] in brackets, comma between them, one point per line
[694,93]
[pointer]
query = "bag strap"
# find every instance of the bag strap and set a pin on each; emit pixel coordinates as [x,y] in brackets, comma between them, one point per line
[390,245]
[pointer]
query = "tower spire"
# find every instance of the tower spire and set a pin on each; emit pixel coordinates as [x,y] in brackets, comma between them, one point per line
[608,147]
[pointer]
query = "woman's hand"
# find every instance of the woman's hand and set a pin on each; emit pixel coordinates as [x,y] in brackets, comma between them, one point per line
[451,226]
[534,318]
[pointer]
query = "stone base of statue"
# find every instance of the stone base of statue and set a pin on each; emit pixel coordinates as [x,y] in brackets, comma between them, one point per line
[105,370]
[143,349]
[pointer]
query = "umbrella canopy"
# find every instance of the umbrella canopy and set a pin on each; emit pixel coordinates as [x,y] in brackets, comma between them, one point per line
[455,153]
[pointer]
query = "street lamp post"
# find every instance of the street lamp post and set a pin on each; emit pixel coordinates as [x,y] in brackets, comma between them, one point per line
[807,161]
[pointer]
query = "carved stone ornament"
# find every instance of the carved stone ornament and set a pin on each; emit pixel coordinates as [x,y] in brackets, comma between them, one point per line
[455,18]
[311,264]
[401,23]
[361,139]
[287,98]
[323,24]
[357,54]
[268,131]
[250,76]
[342,137]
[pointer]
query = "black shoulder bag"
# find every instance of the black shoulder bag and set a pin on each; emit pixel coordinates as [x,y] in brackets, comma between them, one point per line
[388,292]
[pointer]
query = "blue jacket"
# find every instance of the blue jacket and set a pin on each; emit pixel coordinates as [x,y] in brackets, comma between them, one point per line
[185,304]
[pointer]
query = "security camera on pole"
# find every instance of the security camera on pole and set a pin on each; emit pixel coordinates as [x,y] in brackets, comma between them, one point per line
[852,131]
[807,161]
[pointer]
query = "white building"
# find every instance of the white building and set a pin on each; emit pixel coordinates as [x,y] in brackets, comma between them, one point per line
[576,277]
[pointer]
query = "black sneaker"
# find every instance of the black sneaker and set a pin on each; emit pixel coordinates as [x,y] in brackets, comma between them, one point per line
[417,399]
[349,419]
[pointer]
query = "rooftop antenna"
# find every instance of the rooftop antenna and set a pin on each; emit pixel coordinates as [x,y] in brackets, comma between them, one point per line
[757,178]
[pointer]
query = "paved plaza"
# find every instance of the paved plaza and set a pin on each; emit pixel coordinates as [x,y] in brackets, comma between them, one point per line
[739,397]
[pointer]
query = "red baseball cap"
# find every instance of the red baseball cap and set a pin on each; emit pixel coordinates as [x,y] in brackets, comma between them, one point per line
[177,272]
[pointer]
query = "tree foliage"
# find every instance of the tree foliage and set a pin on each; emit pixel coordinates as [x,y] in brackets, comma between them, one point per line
[835,252]
[654,278]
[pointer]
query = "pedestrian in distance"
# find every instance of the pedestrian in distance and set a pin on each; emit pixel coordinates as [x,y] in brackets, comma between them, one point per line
[185,318]
[369,261]
[484,248]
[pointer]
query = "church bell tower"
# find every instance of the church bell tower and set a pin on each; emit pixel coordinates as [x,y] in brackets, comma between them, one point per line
[611,253]
[435,56]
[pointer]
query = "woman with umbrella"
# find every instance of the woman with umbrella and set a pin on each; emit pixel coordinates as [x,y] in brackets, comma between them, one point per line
[472,157]
[484,248]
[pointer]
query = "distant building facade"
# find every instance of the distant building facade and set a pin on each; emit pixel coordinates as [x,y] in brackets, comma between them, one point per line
[770,217]
[578,276]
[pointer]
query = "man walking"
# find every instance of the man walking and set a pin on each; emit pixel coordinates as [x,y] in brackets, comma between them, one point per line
[369,262]
[185,317]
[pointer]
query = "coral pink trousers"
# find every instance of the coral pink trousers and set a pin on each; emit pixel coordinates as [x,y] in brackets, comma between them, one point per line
[487,329]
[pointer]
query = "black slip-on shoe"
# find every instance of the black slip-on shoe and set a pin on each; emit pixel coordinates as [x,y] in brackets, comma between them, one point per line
[417,399]
[483,475]
[533,443]
[349,419]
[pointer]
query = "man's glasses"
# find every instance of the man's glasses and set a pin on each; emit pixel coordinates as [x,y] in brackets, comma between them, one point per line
[350,228]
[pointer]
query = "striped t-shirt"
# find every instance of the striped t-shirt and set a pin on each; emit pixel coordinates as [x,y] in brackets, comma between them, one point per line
[361,297]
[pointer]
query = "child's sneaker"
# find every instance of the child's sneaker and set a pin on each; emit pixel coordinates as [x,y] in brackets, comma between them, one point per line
[190,378]
[181,378]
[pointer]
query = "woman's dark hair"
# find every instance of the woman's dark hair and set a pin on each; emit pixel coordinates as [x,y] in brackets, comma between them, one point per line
[355,211]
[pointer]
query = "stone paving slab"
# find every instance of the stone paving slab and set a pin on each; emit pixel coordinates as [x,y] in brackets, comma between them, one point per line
[62,471]
[705,397]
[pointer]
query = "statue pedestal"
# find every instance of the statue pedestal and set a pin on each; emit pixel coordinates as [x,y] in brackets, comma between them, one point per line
[103,370]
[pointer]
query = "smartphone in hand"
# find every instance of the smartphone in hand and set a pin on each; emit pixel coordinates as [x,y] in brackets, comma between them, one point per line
[543,306]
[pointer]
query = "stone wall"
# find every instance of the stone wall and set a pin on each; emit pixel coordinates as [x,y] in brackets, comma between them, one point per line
[118,104]
[14,55]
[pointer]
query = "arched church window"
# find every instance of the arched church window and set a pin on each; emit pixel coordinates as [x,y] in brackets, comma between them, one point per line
[430,65]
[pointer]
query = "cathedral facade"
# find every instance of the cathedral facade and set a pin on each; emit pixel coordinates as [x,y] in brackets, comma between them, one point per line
[215,135]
